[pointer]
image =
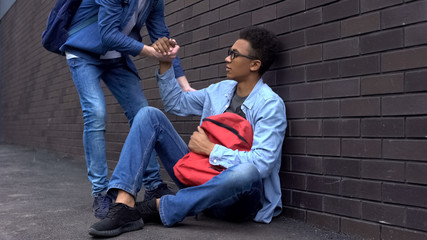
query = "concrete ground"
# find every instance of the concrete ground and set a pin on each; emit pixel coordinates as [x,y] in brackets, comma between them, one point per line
[45,195]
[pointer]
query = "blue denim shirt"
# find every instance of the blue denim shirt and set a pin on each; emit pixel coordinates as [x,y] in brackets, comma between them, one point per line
[105,34]
[264,109]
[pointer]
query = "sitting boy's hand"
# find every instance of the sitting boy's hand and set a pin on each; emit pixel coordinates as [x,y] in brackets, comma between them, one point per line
[200,143]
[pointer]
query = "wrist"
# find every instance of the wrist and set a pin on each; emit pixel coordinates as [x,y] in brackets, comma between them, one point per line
[164,66]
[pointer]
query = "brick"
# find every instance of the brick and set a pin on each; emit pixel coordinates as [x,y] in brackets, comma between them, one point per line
[323,33]
[250,5]
[415,81]
[361,24]
[218,28]
[382,84]
[414,34]
[412,195]
[291,75]
[317,3]
[306,128]
[404,105]
[415,173]
[217,3]
[306,19]
[325,70]
[285,8]
[384,170]
[363,148]
[230,10]
[209,44]
[370,5]
[264,14]
[415,150]
[294,213]
[399,233]
[292,180]
[341,9]
[307,200]
[240,21]
[307,164]
[341,167]
[306,55]
[323,220]
[360,66]
[415,127]
[382,41]
[323,184]
[295,110]
[341,88]
[295,145]
[279,26]
[292,40]
[342,206]
[341,48]
[383,127]
[360,107]
[384,213]
[361,189]
[306,91]
[417,219]
[366,230]
[414,58]
[323,146]
[404,14]
[321,109]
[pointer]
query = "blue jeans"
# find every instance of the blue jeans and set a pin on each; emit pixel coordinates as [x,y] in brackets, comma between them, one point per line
[126,88]
[232,195]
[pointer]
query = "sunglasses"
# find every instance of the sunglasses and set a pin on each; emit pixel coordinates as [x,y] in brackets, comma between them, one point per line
[233,54]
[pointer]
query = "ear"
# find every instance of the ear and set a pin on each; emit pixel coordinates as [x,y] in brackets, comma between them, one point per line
[255,65]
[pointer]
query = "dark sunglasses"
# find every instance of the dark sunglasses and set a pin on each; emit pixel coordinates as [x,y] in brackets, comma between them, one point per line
[233,54]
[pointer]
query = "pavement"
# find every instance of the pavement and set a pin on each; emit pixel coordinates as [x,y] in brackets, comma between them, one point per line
[46,195]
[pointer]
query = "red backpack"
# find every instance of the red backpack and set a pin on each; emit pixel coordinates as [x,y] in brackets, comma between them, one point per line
[227,129]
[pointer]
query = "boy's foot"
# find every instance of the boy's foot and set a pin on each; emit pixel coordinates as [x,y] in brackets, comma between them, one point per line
[160,191]
[148,211]
[101,205]
[121,218]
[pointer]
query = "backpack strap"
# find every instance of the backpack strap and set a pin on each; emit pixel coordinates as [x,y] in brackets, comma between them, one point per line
[82,25]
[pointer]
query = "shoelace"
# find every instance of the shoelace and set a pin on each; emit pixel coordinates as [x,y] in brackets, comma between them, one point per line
[113,211]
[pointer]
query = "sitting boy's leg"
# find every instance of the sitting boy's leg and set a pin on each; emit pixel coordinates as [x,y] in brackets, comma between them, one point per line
[238,183]
[151,130]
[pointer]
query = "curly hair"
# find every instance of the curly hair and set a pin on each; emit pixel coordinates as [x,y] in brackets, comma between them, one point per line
[264,44]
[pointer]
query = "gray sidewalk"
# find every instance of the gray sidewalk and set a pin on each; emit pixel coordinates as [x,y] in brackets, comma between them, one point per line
[44,195]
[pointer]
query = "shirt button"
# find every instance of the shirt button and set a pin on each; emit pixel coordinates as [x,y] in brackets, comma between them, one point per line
[215,161]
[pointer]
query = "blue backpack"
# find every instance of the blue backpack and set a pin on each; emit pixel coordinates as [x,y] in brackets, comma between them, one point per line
[58,23]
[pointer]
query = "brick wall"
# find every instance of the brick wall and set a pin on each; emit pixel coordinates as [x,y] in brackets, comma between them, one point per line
[352,73]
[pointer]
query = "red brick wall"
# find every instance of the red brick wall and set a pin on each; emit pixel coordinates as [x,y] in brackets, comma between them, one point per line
[352,73]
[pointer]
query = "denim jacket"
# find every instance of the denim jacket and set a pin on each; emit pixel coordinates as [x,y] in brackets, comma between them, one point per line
[95,39]
[264,109]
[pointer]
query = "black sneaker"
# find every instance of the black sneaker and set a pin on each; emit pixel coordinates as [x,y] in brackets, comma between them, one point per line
[148,211]
[160,191]
[121,218]
[101,205]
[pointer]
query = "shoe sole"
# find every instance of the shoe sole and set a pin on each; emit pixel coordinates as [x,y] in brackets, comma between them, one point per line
[128,227]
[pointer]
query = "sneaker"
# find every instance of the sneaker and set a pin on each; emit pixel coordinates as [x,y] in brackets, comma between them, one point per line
[121,218]
[148,211]
[101,205]
[160,191]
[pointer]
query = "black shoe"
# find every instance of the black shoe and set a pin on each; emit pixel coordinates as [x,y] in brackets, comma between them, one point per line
[148,211]
[160,191]
[121,218]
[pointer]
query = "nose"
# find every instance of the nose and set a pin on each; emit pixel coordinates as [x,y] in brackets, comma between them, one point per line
[228,59]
